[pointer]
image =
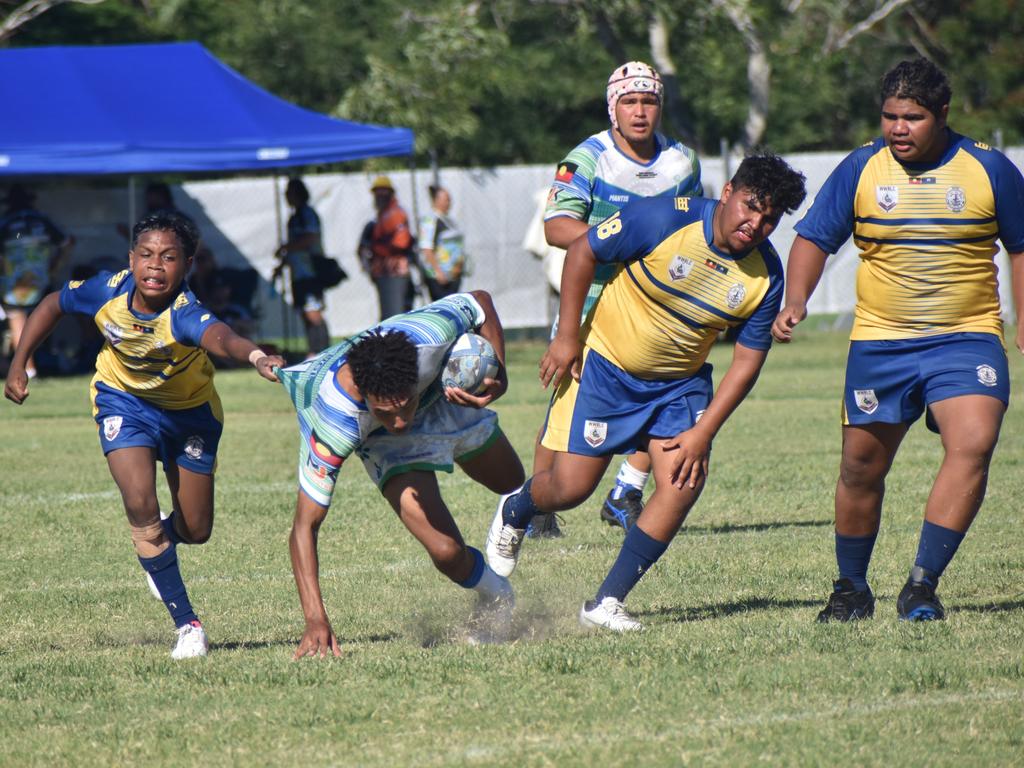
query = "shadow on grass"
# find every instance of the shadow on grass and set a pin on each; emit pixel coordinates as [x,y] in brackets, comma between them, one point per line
[744,527]
[705,612]
[993,607]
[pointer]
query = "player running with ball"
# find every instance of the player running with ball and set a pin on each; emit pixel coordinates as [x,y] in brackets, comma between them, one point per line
[379,394]
[635,376]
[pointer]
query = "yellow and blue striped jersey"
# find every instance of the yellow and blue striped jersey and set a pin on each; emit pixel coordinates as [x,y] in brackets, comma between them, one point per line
[675,292]
[155,357]
[927,236]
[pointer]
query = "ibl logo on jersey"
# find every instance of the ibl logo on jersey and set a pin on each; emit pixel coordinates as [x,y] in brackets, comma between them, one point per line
[565,172]
[987,375]
[679,268]
[887,197]
[595,432]
[112,427]
[720,268]
[866,400]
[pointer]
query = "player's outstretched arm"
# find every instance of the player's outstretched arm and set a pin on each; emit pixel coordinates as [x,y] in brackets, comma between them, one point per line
[318,638]
[39,325]
[803,271]
[220,340]
[693,446]
[1017,282]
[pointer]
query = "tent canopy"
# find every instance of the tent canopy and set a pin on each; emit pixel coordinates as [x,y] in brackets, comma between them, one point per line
[170,107]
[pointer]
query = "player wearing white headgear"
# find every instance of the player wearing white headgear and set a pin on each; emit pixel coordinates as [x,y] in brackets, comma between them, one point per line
[597,178]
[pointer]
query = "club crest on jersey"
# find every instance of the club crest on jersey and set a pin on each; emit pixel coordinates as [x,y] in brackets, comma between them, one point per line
[112,427]
[956,199]
[737,293]
[866,400]
[565,172]
[595,432]
[887,197]
[987,375]
[194,447]
[679,268]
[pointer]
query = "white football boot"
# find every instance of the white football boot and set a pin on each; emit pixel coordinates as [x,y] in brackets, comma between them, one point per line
[503,542]
[192,642]
[608,614]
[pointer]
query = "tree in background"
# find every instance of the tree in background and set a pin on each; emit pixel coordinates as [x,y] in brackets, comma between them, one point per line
[485,82]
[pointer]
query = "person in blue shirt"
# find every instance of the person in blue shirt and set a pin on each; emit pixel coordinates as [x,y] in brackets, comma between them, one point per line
[635,375]
[925,206]
[153,397]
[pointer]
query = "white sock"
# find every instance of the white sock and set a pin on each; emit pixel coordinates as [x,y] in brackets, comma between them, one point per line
[631,476]
[491,585]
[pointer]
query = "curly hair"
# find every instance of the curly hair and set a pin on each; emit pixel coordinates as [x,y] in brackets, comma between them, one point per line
[384,364]
[918,80]
[168,221]
[771,179]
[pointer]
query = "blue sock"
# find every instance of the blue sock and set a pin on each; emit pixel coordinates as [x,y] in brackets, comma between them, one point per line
[168,525]
[164,570]
[639,552]
[853,555]
[519,509]
[936,548]
[478,569]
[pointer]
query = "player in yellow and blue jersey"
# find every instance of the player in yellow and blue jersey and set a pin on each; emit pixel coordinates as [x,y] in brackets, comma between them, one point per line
[688,269]
[925,206]
[153,397]
[604,172]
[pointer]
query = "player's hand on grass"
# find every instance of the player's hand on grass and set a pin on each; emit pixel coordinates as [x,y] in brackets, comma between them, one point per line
[1019,342]
[265,366]
[16,385]
[317,641]
[690,460]
[790,316]
[561,357]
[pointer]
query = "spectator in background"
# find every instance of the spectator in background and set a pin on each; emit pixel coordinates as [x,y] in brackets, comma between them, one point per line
[304,240]
[443,259]
[389,251]
[213,287]
[31,247]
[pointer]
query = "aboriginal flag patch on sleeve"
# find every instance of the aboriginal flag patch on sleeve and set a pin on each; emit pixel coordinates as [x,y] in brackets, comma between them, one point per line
[565,172]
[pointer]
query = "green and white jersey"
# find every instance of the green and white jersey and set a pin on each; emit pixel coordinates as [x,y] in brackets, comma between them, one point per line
[596,179]
[332,424]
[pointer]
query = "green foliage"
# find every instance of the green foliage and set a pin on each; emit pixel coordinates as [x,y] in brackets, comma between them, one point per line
[731,670]
[501,81]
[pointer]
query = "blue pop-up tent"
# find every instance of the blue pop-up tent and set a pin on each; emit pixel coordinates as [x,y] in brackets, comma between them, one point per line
[161,108]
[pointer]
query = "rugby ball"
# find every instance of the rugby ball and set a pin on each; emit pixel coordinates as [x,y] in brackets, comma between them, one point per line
[470,360]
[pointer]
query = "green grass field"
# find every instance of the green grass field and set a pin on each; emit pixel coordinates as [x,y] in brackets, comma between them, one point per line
[732,669]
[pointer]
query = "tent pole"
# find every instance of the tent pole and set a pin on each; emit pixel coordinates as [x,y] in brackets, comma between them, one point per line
[131,206]
[286,329]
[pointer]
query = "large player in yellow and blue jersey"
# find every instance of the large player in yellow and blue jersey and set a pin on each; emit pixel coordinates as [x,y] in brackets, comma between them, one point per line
[153,397]
[688,269]
[925,206]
